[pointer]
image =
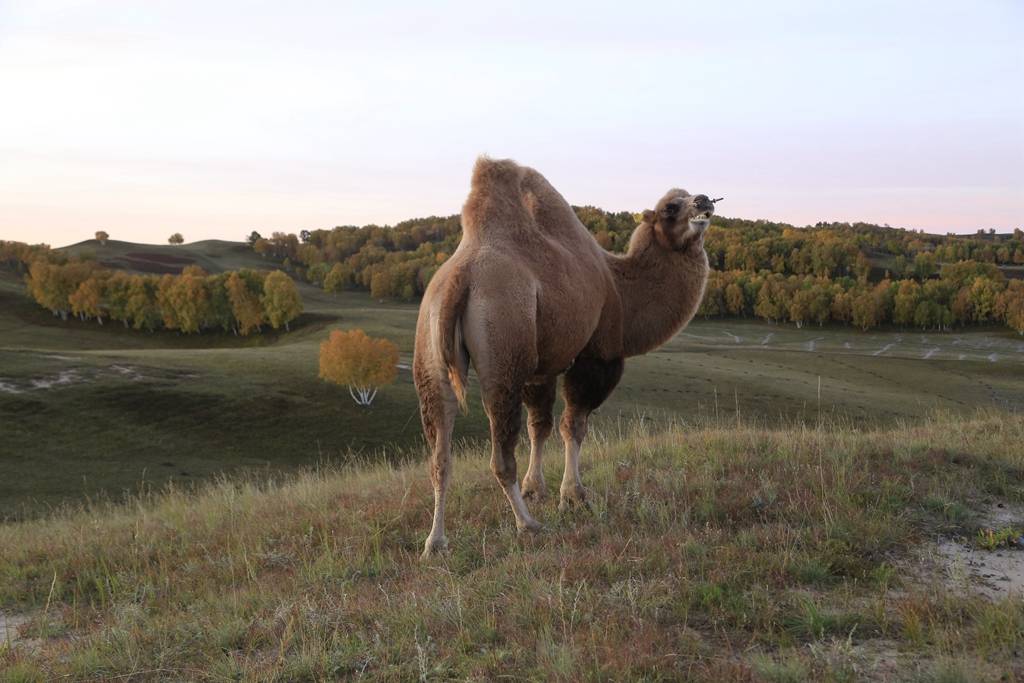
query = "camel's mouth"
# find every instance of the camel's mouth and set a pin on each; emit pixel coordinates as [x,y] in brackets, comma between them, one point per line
[700,222]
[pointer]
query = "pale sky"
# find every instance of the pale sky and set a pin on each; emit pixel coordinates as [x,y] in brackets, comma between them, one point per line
[212,119]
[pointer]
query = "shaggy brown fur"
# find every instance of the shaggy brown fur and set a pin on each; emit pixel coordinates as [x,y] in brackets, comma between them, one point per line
[530,295]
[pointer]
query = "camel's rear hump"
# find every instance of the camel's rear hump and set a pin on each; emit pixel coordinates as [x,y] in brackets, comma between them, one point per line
[507,200]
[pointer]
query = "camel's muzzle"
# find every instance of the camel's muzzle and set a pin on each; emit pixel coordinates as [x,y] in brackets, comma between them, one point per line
[703,208]
[700,222]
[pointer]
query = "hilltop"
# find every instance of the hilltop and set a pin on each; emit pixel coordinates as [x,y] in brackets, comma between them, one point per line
[717,552]
[213,256]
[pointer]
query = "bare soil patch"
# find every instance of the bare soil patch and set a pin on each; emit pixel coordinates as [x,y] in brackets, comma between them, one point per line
[963,566]
[10,626]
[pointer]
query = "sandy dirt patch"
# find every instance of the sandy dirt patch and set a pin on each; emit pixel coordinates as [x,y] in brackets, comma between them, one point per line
[10,625]
[964,566]
[996,574]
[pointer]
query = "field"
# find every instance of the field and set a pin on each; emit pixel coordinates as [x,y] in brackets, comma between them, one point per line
[89,410]
[712,552]
[770,504]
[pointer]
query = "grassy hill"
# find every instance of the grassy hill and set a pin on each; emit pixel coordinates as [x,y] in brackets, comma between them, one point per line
[90,410]
[213,256]
[714,551]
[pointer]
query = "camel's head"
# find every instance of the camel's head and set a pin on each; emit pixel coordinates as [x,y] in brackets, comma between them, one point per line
[680,219]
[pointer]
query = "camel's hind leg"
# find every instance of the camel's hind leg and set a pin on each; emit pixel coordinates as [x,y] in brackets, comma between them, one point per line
[540,401]
[500,334]
[438,407]
[587,384]
[504,408]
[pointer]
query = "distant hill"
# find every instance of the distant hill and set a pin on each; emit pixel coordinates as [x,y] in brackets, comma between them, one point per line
[213,256]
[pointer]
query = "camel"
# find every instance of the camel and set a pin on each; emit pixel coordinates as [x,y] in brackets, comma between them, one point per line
[530,295]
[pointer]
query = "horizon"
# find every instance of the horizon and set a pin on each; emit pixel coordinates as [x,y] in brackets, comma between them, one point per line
[217,121]
[242,240]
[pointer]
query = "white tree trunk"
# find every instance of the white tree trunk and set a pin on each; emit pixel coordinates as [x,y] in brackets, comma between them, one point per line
[363,396]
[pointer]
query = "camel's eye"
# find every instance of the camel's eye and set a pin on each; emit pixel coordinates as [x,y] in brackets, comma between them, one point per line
[672,209]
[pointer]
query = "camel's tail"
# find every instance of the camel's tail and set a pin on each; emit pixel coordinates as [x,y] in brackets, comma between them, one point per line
[449,333]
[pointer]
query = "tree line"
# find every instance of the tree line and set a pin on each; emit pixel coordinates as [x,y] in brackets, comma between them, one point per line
[242,301]
[966,293]
[849,273]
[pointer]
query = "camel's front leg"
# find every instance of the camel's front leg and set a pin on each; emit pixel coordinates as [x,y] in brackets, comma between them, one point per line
[539,400]
[587,384]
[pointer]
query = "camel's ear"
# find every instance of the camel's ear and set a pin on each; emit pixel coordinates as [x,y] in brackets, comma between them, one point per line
[648,217]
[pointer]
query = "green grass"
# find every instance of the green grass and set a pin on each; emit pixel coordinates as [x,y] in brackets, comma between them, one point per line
[1005,537]
[209,404]
[718,552]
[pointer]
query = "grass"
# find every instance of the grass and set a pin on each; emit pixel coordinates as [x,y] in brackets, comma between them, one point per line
[213,256]
[144,410]
[713,552]
[1005,537]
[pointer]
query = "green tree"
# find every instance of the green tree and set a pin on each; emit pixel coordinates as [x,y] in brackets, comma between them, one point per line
[118,288]
[734,301]
[1011,305]
[142,308]
[338,278]
[925,265]
[281,300]
[245,303]
[984,293]
[220,310]
[176,238]
[905,304]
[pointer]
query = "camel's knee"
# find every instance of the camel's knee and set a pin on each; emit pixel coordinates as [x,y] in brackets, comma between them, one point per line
[437,411]
[540,426]
[440,467]
[504,468]
[573,427]
[505,425]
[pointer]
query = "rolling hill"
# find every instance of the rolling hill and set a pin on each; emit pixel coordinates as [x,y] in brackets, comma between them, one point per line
[90,410]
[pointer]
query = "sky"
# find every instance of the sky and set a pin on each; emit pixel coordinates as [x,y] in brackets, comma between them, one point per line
[214,119]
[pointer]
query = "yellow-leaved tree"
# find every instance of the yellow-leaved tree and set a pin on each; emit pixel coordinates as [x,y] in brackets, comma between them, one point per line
[360,362]
[1011,305]
[281,300]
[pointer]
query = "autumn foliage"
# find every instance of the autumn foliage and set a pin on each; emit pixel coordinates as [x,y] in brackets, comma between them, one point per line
[362,363]
[852,274]
[240,301]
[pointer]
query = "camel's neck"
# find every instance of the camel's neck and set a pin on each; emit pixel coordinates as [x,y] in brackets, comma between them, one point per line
[660,289]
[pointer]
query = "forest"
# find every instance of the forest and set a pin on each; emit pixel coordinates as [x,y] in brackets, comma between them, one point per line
[851,274]
[241,302]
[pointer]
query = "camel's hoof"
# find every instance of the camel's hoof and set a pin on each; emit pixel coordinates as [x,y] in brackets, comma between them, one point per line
[535,491]
[434,548]
[531,527]
[573,498]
